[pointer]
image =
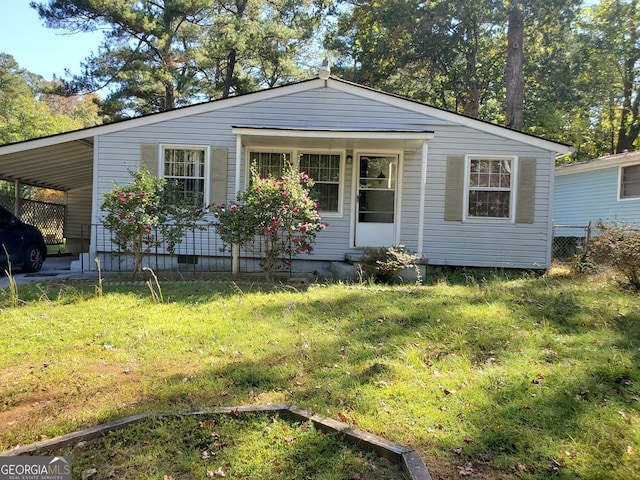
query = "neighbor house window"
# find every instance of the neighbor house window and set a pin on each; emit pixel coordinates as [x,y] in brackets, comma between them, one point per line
[323,168]
[490,187]
[186,167]
[630,182]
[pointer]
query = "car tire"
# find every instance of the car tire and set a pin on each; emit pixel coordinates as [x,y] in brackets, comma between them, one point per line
[33,258]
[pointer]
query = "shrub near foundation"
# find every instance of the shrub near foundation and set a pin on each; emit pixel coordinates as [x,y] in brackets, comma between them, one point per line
[383,264]
[619,247]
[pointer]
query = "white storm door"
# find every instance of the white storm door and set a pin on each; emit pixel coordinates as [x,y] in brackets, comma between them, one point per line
[376,200]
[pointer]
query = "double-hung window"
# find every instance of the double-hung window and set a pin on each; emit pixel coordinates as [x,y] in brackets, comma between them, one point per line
[324,168]
[630,182]
[186,167]
[490,187]
[270,164]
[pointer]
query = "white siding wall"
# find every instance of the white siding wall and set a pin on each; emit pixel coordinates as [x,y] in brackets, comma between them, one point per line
[77,228]
[485,244]
[445,243]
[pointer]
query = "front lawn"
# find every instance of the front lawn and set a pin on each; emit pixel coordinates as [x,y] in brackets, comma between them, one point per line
[485,376]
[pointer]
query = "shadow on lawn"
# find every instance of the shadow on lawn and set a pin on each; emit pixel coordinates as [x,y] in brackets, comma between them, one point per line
[356,345]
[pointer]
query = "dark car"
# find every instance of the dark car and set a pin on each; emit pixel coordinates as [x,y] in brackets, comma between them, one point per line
[24,243]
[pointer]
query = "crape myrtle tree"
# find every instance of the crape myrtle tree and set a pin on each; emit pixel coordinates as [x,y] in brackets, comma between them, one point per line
[275,218]
[149,212]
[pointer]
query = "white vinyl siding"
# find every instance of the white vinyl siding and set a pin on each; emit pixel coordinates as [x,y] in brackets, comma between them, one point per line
[502,244]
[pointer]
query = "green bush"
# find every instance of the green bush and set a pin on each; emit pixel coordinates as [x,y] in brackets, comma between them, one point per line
[619,247]
[383,264]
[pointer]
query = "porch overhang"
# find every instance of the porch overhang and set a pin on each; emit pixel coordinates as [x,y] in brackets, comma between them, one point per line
[332,139]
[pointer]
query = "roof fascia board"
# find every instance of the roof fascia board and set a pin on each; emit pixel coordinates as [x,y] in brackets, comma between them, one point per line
[424,109]
[346,134]
[609,161]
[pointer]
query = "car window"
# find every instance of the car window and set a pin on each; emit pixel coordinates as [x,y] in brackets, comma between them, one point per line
[5,219]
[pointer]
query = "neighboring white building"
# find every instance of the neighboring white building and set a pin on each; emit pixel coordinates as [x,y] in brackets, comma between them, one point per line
[389,170]
[606,189]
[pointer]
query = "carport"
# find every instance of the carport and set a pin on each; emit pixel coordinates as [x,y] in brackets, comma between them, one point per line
[61,162]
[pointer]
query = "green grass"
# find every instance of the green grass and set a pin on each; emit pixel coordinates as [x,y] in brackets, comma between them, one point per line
[516,377]
[257,446]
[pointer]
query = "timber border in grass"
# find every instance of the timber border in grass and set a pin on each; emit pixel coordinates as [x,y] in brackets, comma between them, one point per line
[405,456]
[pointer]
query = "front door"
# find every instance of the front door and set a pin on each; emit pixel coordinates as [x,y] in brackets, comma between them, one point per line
[376,200]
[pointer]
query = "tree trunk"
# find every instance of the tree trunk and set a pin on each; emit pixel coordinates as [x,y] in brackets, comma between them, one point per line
[241,6]
[514,76]
[471,103]
[228,78]
[169,97]
[167,56]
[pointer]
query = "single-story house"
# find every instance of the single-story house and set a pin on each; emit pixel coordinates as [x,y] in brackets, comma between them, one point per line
[389,170]
[606,189]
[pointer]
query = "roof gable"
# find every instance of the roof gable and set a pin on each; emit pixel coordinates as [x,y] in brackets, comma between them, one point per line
[332,82]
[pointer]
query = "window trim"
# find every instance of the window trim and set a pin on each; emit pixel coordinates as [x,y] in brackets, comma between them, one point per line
[513,189]
[295,157]
[620,177]
[207,164]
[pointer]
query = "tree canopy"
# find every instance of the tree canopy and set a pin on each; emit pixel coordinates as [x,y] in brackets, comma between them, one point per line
[160,55]
[554,68]
[29,108]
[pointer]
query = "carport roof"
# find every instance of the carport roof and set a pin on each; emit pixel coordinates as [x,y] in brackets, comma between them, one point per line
[63,165]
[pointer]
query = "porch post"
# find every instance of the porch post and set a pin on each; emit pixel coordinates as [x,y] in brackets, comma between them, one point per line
[16,198]
[423,191]
[235,250]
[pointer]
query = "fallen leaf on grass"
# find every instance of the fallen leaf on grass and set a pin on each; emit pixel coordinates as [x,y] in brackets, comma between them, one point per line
[522,467]
[629,449]
[219,473]
[344,418]
[168,477]
[88,473]
[466,470]
[624,416]
[555,465]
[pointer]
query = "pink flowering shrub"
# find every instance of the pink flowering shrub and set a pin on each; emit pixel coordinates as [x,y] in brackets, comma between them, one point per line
[275,218]
[145,213]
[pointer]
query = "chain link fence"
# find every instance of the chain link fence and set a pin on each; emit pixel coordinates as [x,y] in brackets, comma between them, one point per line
[571,240]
